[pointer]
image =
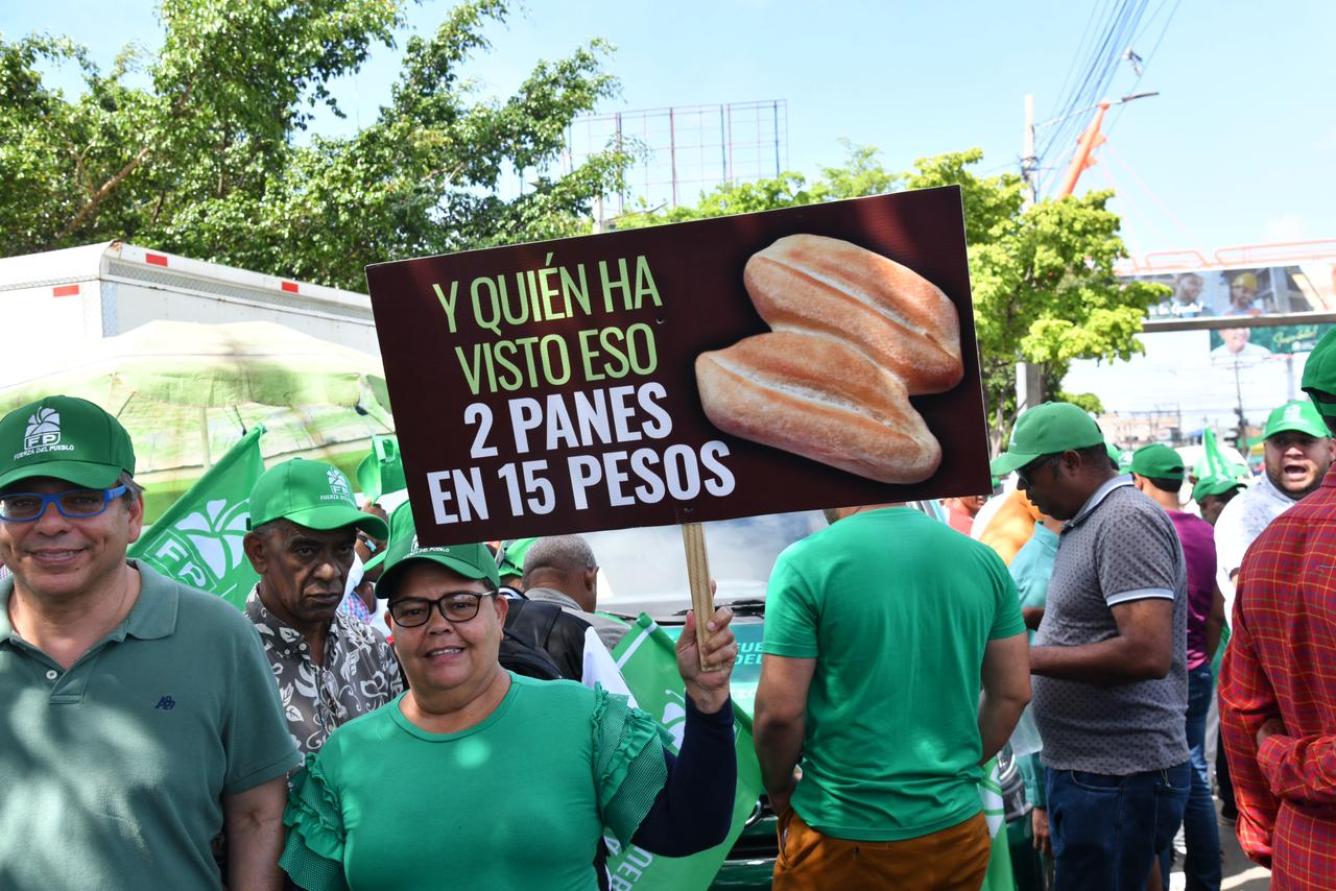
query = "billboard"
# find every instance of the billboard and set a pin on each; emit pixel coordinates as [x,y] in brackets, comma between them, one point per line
[1217,376]
[1246,291]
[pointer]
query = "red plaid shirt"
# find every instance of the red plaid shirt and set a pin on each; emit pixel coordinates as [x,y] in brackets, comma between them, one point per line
[1281,663]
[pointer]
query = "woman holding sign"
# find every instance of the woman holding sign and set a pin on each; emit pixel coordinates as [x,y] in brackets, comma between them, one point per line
[479,778]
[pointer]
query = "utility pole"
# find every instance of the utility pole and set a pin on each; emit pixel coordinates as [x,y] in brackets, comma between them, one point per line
[1029,378]
[1030,163]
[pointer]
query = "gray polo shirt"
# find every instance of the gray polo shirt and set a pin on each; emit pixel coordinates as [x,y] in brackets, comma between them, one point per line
[1121,546]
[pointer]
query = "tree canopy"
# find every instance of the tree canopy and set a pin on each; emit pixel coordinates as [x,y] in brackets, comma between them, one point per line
[1042,277]
[202,149]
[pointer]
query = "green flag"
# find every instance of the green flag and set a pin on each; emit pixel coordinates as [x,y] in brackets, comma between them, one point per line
[999,876]
[382,471]
[647,659]
[198,540]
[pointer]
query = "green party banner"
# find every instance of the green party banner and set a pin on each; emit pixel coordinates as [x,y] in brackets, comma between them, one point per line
[382,471]
[198,540]
[999,876]
[647,659]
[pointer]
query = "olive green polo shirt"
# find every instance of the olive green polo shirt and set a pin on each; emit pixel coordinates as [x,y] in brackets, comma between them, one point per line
[114,771]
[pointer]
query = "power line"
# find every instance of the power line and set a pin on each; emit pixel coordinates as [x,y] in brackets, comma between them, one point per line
[1070,97]
[1145,62]
[1099,75]
[1086,35]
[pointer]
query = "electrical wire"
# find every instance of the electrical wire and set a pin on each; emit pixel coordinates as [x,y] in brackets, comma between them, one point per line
[1078,99]
[1071,89]
[1145,62]
[1086,36]
[1099,74]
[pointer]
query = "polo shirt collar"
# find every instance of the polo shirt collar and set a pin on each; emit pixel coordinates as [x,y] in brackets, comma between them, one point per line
[153,615]
[1097,499]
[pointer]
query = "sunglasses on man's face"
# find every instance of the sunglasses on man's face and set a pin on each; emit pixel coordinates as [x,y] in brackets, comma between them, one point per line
[1025,476]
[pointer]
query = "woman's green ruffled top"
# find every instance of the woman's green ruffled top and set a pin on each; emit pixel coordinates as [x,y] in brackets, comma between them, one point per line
[517,801]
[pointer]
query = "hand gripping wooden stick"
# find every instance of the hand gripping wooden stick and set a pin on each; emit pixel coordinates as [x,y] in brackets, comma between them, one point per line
[698,577]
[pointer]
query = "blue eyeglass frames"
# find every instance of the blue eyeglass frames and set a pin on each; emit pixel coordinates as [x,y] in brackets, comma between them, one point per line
[74,504]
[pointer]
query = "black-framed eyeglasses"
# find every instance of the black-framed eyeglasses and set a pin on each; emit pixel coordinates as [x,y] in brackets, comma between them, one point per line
[1025,476]
[73,504]
[457,606]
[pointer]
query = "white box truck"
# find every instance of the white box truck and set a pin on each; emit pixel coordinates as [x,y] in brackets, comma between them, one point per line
[58,303]
[56,300]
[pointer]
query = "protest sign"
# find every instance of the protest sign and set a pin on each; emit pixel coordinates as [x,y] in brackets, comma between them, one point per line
[198,540]
[792,359]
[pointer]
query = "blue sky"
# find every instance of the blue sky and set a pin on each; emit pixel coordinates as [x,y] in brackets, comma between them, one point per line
[1239,146]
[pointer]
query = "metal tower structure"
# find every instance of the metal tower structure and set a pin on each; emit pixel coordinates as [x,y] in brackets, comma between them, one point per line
[684,150]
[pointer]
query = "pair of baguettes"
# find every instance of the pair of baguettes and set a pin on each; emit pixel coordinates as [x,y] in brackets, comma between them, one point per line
[855,335]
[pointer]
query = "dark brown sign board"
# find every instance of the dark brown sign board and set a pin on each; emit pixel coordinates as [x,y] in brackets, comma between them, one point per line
[554,387]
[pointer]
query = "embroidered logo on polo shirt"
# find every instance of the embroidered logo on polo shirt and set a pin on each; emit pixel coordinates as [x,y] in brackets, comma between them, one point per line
[166,703]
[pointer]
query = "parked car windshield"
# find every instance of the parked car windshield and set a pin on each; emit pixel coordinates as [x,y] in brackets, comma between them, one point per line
[644,570]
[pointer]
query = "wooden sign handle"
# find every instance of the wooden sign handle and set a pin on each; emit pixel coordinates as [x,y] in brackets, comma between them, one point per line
[698,577]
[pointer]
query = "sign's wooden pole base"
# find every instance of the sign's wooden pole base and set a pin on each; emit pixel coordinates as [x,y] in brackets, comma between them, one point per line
[698,576]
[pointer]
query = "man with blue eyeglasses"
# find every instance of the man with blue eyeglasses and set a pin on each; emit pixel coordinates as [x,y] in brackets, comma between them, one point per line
[140,716]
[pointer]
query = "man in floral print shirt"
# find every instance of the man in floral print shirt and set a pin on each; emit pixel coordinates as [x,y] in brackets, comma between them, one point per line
[330,668]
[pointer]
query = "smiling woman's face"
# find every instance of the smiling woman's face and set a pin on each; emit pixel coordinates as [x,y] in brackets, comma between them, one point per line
[440,654]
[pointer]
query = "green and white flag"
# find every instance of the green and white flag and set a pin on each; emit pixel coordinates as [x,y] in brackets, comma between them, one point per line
[648,661]
[999,876]
[198,540]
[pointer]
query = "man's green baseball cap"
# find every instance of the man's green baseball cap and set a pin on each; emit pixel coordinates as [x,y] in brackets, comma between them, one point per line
[472,561]
[311,494]
[1320,373]
[512,556]
[1047,430]
[402,533]
[1301,415]
[1158,461]
[1214,485]
[65,438]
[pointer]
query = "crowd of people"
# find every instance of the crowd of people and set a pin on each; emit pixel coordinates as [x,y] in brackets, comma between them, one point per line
[389,715]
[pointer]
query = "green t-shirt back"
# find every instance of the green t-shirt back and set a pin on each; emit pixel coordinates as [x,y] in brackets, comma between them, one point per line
[897,609]
[114,770]
[518,801]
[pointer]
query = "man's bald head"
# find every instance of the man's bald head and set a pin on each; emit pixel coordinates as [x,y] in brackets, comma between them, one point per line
[564,563]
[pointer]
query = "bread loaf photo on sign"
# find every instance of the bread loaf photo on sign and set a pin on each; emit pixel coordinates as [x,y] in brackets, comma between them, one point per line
[900,320]
[820,398]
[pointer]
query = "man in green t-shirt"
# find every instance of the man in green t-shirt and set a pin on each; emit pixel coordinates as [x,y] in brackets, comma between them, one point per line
[140,716]
[881,634]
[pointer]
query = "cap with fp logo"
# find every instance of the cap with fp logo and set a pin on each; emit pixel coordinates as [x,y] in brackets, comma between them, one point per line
[65,438]
[311,494]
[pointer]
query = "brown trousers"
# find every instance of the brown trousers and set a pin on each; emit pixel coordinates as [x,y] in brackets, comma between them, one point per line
[954,859]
